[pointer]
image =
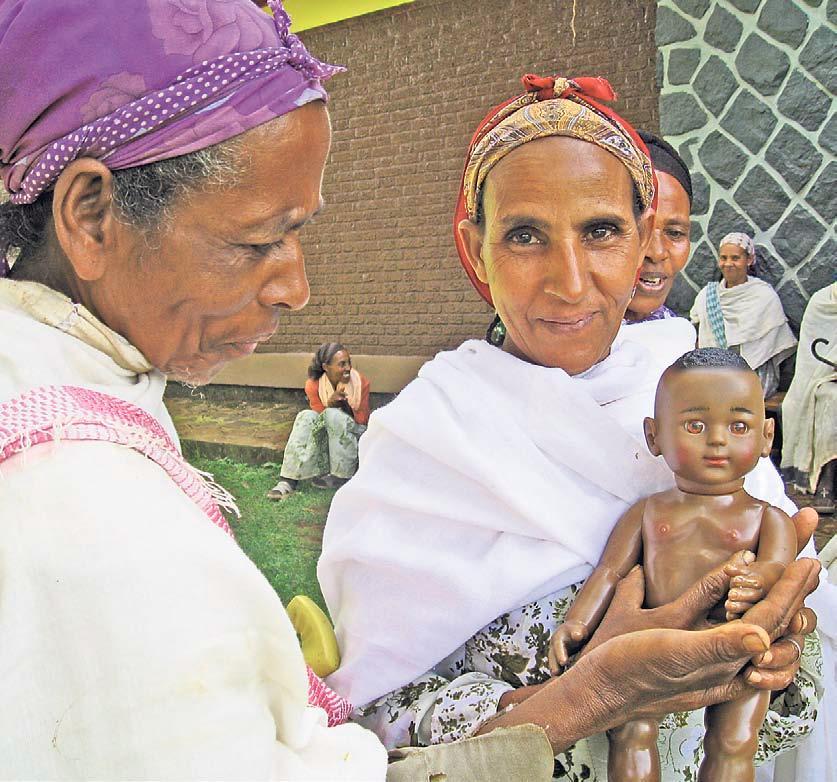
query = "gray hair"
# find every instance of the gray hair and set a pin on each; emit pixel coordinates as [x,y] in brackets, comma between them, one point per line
[143,197]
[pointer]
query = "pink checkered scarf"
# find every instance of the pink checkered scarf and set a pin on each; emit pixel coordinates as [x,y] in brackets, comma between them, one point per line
[54,413]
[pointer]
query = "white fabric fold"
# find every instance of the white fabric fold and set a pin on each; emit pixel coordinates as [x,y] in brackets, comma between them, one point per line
[809,410]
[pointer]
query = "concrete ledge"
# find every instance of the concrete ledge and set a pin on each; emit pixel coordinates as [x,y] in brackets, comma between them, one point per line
[387,374]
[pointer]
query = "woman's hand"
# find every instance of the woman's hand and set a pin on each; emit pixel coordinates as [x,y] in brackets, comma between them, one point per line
[688,612]
[653,672]
[338,397]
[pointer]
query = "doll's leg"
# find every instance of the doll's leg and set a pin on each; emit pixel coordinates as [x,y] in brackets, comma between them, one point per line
[633,755]
[732,737]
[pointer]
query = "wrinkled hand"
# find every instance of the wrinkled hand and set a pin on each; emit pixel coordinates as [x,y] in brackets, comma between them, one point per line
[645,674]
[688,612]
[565,640]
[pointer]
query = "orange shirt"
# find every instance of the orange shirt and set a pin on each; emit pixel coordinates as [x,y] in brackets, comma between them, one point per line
[361,415]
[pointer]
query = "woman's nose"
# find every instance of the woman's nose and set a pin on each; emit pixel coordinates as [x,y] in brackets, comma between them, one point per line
[287,284]
[657,249]
[567,276]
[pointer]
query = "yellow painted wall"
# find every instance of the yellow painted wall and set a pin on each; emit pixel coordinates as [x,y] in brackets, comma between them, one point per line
[313,13]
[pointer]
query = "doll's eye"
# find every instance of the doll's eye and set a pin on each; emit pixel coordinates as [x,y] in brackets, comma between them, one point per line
[694,427]
[739,427]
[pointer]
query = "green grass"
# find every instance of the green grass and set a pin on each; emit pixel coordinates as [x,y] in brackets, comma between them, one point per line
[282,538]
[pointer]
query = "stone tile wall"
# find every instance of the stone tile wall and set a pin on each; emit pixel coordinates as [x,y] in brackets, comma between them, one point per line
[747,97]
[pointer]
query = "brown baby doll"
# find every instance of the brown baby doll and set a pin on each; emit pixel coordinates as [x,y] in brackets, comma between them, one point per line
[710,427]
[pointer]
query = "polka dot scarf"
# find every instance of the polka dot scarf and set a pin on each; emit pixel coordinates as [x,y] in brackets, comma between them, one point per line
[132,83]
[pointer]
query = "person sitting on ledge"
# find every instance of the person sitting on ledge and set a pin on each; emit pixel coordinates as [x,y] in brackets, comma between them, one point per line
[744,313]
[323,441]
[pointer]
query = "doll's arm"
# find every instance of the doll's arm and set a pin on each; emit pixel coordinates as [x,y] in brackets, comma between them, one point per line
[777,549]
[622,552]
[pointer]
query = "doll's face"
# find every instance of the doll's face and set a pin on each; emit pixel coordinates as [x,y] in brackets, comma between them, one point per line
[709,426]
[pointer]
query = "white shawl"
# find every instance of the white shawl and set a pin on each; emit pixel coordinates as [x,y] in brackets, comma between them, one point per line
[138,640]
[809,411]
[753,320]
[489,482]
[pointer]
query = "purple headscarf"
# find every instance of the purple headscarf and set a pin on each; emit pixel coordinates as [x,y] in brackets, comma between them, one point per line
[136,81]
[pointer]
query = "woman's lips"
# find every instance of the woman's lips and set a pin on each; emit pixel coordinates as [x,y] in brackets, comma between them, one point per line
[568,323]
[651,282]
[241,348]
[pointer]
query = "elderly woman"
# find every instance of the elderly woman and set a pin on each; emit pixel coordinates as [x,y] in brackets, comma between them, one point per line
[488,488]
[160,168]
[323,441]
[743,313]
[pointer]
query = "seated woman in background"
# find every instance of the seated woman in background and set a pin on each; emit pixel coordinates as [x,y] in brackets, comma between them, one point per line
[743,313]
[323,442]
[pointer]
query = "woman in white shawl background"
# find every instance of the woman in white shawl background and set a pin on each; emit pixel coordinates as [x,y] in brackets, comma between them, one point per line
[744,313]
[809,409]
[488,488]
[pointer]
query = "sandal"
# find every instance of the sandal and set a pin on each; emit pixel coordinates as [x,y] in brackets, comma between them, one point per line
[281,490]
[328,482]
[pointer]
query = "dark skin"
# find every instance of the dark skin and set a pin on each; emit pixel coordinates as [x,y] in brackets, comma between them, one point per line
[339,372]
[710,427]
[212,284]
[667,252]
[559,247]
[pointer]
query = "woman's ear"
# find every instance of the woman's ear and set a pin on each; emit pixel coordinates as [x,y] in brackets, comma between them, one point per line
[471,236]
[85,226]
[767,433]
[649,426]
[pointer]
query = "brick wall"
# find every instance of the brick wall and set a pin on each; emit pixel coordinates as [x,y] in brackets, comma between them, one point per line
[384,274]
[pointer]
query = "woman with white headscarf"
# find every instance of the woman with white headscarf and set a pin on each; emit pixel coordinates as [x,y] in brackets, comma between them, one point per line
[743,313]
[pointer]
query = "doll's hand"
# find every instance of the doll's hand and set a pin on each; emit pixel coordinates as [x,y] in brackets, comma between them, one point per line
[746,588]
[567,638]
[749,584]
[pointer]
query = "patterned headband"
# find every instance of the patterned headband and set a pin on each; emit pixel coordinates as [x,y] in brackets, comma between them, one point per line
[551,106]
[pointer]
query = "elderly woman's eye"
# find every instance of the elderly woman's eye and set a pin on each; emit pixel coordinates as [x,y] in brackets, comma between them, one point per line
[523,236]
[694,427]
[739,427]
[265,249]
[602,231]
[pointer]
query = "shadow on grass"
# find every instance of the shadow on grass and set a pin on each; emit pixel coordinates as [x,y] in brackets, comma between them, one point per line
[282,538]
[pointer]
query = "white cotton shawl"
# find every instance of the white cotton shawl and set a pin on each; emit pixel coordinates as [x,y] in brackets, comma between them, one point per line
[809,410]
[753,320]
[489,482]
[139,641]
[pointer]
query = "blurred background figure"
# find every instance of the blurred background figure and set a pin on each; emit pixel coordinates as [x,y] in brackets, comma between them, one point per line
[323,441]
[809,410]
[743,313]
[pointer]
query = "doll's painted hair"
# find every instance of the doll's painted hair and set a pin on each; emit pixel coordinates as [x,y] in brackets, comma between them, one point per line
[709,358]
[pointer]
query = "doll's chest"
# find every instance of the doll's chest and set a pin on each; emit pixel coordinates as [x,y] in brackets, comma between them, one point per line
[680,544]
